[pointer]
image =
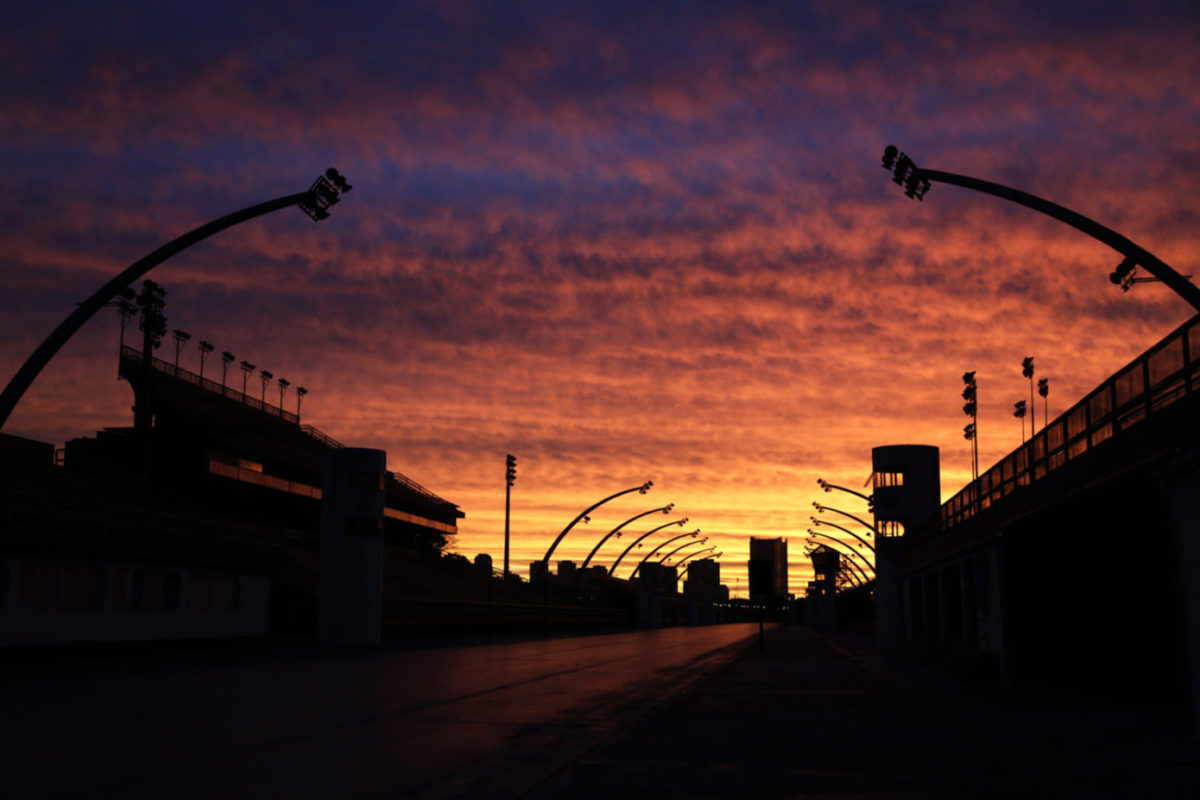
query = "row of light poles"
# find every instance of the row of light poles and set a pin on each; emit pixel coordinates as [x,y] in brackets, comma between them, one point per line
[917,183]
[693,536]
[858,568]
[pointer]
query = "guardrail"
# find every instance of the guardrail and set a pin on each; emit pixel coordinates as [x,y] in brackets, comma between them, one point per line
[135,355]
[1167,372]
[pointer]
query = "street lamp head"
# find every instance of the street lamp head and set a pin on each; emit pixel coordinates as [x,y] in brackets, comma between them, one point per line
[326,191]
[667,508]
[645,487]
[1123,275]
[818,506]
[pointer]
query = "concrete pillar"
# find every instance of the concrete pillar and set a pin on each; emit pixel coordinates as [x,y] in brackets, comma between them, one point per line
[350,586]
[649,605]
[1181,481]
[889,601]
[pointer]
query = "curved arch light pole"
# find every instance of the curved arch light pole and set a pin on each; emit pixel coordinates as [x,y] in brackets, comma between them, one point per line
[859,520]
[325,192]
[693,555]
[645,487]
[829,487]
[660,545]
[849,548]
[917,181]
[635,542]
[708,549]
[663,560]
[843,563]
[665,509]
[849,570]
[864,542]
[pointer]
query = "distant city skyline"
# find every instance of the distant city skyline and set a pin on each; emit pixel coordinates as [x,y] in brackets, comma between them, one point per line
[621,244]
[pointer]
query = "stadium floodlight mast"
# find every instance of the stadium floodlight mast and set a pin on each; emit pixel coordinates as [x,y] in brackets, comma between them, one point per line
[510,477]
[917,181]
[617,530]
[642,489]
[205,349]
[326,191]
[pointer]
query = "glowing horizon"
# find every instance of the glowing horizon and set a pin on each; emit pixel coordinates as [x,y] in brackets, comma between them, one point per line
[619,244]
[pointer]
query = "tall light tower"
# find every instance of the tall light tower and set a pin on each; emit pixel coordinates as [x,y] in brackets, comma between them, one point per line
[324,192]
[510,477]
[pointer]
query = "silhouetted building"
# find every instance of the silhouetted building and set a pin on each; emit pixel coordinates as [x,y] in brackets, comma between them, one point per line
[907,486]
[705,572]
[185,526]
[772,579]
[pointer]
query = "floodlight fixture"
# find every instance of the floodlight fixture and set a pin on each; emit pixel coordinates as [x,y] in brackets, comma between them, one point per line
[326,191]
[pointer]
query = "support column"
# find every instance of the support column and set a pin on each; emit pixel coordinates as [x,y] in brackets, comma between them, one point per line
[350,586]
[1181,480]
[889,603]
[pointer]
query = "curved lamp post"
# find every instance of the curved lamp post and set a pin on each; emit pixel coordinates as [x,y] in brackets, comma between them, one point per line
[690,556]
[665,509]
[859,520]
[916,183]
[645,487]
[689,566]
[633,574]
[862,541]
[845,562]
[665,558]
[847,568]
[325,192]
[708,549]
[637,541]
[849,563]
[829,487]
[849,549]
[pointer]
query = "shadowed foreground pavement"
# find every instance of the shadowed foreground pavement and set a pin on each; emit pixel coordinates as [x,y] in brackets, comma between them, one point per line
[811,718]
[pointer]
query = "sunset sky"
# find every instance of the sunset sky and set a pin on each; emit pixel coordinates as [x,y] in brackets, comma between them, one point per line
[622,241]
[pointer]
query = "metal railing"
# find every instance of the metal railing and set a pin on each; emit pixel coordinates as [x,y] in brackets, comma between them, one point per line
[1167,372]
[135,355]
[205,383]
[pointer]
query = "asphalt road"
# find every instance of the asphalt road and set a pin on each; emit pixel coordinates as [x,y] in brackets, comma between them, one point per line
[299,720]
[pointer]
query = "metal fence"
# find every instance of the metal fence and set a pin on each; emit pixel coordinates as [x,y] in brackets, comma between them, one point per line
[205,383]
[1162,375]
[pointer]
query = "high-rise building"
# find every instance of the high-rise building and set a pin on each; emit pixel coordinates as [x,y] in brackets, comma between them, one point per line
[772,553]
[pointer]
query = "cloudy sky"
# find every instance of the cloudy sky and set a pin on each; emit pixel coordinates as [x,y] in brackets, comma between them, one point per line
[622,241]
